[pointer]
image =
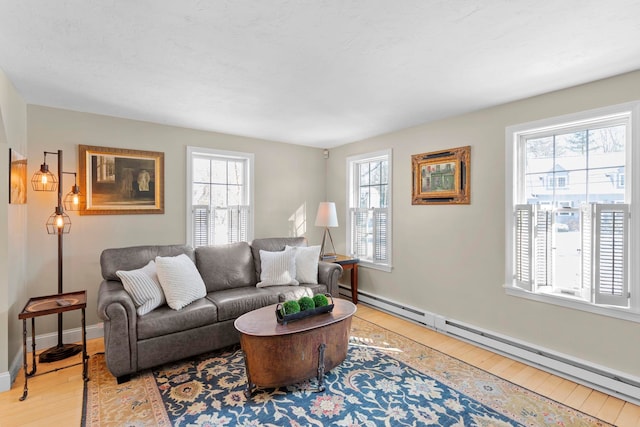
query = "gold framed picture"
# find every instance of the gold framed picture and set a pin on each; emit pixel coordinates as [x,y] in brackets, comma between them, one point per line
[17,178]
[442,177]
[121,181]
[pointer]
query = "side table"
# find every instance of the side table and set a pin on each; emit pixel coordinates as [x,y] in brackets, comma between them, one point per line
[349,263]
[51,304]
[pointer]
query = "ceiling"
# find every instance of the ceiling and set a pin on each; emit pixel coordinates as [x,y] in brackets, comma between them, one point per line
[319,73]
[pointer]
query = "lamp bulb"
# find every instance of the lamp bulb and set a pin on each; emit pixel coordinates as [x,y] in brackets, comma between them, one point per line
[75,199]
[59,221]
[44,179]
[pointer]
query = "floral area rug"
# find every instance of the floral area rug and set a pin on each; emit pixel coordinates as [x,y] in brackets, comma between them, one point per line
[386,380]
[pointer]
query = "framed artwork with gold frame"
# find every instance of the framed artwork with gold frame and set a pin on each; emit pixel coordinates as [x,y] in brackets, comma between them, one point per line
[17,178]
[442,177]
[121,181]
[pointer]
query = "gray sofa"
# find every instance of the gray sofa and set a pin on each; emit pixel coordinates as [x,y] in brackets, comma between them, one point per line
[230,273]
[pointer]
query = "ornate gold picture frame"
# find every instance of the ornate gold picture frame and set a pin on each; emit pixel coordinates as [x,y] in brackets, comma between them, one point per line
[121,181]
[442,177]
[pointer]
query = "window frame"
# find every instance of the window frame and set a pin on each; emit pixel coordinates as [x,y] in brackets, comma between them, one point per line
[352,202]
[228,155]
[514,162]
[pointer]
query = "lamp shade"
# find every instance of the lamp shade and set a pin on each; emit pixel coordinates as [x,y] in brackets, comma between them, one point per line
[327,216]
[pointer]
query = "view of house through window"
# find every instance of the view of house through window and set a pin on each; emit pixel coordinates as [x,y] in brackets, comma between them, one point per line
[220,199]
[571,227]
[369,220]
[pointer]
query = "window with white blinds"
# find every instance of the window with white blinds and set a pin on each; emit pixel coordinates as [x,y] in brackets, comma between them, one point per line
[369,209]
[219,196]
[569,213]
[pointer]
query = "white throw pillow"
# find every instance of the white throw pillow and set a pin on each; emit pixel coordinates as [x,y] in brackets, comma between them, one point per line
[143,286]
[180,280]
[306,263]
[278,268]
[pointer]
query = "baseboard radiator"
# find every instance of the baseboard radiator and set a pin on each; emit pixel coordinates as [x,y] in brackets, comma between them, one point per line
[606,380]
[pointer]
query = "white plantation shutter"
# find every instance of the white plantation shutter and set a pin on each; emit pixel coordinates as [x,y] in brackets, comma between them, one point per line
[380,233]
[611,223]
[543,255]
[234,218]
[523,247]
[237,223]
[359,219]
[201,224]
[586,229]
[533,247]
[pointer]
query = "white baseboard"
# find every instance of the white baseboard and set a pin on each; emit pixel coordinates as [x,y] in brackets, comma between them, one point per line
[45,341]
[615,383]
[5,381]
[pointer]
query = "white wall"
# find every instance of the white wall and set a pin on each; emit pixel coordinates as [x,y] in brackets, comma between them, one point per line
[13,134]
[449,259]
[287,177]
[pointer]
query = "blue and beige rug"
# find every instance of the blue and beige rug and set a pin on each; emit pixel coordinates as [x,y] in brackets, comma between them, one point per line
[386,380]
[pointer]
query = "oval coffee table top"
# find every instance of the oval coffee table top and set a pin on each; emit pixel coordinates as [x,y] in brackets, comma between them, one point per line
[262,322]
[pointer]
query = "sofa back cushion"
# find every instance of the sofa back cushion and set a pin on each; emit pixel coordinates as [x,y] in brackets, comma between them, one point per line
[135,257]
[226,266]
[272,244]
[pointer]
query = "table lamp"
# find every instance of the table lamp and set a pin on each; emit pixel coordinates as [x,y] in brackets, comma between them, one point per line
[327,217]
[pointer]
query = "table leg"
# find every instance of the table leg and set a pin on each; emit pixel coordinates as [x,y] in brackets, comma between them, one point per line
[24,359]
[85,358]
[354,284]
[321,367]
[250,386]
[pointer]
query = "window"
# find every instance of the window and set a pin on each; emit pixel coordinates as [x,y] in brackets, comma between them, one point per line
[569,228]
[369,213]
[219,196]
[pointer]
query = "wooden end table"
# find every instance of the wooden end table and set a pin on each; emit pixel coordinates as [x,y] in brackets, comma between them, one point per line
[277,355]
[51,304]
[349,263]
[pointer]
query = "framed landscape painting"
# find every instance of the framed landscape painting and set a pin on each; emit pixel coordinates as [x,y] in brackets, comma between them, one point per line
[17,178]
[121,181]
[441,177]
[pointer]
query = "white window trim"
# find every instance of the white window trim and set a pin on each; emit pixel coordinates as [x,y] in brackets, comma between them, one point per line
[220,153]
[632,164]
[350,181]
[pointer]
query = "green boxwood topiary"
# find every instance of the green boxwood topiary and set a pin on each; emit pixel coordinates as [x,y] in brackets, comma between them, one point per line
[320,300]
[291,307]
[306,303]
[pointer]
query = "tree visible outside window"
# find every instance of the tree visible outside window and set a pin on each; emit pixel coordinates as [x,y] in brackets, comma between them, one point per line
[569,228]
[219,196]
[369,213]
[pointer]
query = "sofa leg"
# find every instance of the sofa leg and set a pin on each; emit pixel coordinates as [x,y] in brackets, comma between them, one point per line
[123,379]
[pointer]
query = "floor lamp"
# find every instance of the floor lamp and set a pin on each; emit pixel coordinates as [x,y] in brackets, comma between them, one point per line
[58,223]
[327,217]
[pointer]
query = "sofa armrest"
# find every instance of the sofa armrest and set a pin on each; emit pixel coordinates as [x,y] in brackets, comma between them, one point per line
[328,274]
[116,309]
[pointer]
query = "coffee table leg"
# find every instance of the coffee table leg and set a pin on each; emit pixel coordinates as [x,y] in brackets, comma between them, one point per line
[250,385]
[321,367]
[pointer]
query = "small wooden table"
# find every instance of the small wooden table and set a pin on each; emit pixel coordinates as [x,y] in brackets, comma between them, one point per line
[51,304]
[276,355]
[349,263]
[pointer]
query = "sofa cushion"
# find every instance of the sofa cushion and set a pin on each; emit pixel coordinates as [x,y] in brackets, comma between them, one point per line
[272,244]
[278,268]
[233,303]
[134,257]
[180,280]
[226,266]
[164,320]
[143,286]
[306,263]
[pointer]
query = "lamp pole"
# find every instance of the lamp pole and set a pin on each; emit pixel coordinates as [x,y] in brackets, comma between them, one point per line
[60,351]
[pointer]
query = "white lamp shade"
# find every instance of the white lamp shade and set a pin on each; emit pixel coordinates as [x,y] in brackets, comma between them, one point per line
[327,216]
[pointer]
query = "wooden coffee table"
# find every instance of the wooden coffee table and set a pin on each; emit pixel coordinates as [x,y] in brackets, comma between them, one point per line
[277,355]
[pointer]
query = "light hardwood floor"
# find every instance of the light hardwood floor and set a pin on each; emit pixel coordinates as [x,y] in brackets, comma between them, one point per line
[56,398]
